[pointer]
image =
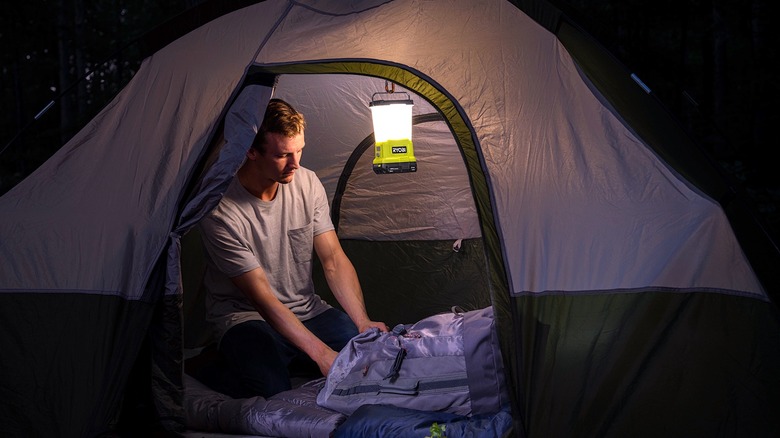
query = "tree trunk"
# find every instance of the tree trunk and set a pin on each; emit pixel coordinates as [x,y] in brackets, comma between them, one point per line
[682,78]
[64,46]
[760,102]
[72,66]
[79,63]
[719,82]
[719,76]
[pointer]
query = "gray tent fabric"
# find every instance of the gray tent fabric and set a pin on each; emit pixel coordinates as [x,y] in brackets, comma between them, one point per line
[549,186]
[398,208]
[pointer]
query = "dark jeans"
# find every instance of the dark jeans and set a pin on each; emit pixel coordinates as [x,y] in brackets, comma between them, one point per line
[256,360]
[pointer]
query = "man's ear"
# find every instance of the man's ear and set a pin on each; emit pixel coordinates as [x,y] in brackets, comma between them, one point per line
[252,154]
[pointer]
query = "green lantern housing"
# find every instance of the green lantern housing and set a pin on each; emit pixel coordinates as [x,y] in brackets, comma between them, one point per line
[393,151]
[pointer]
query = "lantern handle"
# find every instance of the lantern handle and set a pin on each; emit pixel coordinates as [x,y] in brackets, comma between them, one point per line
[379,93]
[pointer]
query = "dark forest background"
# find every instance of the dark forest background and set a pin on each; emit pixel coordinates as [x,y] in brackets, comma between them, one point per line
[711,62]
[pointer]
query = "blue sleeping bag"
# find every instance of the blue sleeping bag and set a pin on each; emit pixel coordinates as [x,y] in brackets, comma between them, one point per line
[393,421]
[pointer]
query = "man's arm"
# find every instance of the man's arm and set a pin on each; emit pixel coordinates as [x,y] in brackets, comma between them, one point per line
[254,284]
[343,280]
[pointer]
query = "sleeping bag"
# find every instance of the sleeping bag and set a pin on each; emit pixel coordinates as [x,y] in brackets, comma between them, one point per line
[445,363]
[394,421]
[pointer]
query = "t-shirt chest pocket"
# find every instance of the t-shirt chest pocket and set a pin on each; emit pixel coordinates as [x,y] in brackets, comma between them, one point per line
[301,243]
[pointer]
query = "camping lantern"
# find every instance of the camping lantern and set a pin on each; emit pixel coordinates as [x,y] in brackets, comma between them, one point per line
[393,151]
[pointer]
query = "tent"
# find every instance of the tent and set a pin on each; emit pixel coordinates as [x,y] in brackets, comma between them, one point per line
[632,290]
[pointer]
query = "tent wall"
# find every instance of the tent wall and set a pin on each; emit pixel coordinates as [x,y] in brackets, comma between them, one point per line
[406,281]
[648,365]
[654,124]
[65,361]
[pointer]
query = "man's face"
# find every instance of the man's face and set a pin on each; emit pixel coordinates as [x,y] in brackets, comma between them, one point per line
[281,159]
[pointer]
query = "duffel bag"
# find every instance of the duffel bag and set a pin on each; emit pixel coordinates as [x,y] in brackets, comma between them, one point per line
[446,363]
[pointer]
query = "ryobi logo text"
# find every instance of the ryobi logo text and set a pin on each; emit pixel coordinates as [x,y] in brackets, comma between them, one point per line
[398,149]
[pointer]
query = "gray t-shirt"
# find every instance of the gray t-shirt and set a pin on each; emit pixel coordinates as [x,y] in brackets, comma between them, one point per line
[244,233]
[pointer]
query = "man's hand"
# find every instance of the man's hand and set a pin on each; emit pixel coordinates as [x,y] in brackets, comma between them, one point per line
[370,324]
[324,359]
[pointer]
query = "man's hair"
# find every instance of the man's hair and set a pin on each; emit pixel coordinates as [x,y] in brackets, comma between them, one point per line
[280,118]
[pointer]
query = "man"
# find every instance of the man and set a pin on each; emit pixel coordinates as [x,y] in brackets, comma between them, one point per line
[259,242]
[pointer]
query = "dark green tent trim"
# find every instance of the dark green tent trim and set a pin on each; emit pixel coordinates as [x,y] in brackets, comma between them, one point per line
[54,333]
[655,364]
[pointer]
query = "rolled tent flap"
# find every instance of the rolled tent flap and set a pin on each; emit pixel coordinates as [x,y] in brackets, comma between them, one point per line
[226,155]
